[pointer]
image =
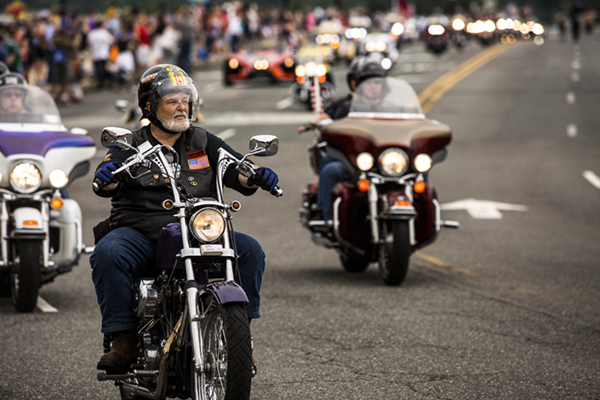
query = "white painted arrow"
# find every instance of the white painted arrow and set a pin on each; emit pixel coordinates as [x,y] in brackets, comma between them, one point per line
[483,209]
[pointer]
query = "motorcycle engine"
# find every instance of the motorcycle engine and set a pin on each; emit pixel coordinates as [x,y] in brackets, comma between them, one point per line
[147,299]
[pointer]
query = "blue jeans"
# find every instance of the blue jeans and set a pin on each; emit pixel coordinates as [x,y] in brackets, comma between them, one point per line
[124,255]
[330,173]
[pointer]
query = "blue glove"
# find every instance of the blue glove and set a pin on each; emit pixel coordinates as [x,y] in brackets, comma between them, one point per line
[105,174]
[265,178]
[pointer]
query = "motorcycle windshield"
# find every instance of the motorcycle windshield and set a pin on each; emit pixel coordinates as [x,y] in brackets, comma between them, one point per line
[27,105]
[385,98]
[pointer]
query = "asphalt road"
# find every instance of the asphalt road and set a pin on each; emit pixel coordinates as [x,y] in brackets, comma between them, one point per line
[505,307]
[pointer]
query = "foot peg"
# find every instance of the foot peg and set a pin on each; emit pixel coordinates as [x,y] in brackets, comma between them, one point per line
[320,225]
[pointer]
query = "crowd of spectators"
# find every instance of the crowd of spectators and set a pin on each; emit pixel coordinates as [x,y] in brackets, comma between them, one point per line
[60,51]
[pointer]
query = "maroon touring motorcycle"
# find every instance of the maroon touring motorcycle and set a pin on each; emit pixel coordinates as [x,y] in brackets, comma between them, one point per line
[389,209]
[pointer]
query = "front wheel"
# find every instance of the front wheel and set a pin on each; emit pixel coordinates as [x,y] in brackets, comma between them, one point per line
[227,353]
[394,253]
[26,275]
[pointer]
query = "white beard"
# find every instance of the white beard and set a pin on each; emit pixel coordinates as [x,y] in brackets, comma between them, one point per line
[174,126]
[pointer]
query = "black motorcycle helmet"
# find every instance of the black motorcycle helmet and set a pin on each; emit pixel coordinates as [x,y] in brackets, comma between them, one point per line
[352,75]
[370,69]
[159,81]
[13,80]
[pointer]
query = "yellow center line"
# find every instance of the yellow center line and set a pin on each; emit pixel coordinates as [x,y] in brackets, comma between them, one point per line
[436,90]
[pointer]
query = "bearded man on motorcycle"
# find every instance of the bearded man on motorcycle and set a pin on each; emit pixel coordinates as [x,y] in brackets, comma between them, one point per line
[333,171]
[127,241]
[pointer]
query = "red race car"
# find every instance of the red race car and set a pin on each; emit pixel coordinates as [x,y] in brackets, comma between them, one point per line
[247,64]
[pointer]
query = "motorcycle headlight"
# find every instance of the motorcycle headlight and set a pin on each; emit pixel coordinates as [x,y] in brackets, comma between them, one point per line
[58,178]
[310,68]
[320,70]
[208,225]
[423,163]
[393,161]
[25,177]
[364,161]
[300,70]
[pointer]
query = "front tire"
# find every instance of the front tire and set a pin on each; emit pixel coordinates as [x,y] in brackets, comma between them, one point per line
[228,353]
[26,275]
[394,253]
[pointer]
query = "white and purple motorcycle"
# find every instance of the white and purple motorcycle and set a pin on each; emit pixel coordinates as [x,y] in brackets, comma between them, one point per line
[40,227]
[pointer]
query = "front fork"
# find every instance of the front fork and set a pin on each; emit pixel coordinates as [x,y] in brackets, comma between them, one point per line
[404,212]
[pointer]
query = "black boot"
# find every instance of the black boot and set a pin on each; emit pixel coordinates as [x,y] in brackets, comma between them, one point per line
[122,353]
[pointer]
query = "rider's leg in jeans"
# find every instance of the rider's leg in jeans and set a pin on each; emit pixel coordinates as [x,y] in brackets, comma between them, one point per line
[123,255]
[330,173]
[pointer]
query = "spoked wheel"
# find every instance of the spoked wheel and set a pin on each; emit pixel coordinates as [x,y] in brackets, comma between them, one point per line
[26,275]
[394,253]
[227,353]
[353,262]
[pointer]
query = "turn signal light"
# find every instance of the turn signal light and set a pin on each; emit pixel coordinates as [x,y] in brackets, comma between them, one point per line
[363,185]
[402,203]
[56,203]
[30,222]
[419,186]
[300,79]
[322,78]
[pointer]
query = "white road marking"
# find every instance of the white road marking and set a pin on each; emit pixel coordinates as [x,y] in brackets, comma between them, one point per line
[285,103]
[575,76]
[576,65]
[571,98]
[45,306]
[571,130]
[259,118]
[227,133]
[592,178]
[483,209]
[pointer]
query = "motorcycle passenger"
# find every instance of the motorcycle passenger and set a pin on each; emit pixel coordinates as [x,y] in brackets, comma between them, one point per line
[333,171]
[168,98]
[13,90]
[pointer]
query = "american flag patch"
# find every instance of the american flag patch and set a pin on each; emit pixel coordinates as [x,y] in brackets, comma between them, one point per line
[199,163]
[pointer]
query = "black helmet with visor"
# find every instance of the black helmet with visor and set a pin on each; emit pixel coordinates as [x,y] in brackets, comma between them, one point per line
[159,81]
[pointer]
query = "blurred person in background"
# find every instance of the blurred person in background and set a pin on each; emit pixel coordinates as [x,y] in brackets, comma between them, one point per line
[589,20]
[575,16]
[99,41]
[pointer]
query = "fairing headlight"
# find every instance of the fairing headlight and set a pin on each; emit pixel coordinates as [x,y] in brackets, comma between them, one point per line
[393,162]
[25,177]
[310,68]
[436,29]
[320,70]
[208,225]
[300,70]
[58,178]
[234,63]
[364,161]
[423,163]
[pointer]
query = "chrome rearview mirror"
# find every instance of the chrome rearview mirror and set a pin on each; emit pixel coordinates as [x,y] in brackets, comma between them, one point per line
[114,136]
[264,145]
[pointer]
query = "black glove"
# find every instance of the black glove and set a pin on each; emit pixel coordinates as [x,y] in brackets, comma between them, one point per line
[265,178]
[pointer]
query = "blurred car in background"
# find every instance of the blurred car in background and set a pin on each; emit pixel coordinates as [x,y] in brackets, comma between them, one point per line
[267,60]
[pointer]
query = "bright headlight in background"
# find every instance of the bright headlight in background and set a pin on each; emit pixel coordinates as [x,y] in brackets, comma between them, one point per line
[320,70]
[300,70]
[234,63]
[386,63]
[365,161]
[501,24]
[489,26]
[25,177]
[310,68]
[397,29]
[289,62]
[436,30]
[538,29]
[458,24]
[423,163]
[58,178]
[208,225]
[393,161]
